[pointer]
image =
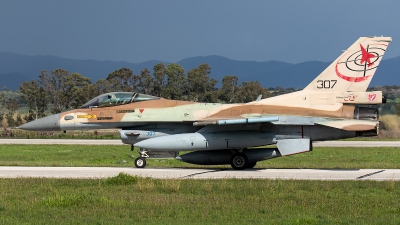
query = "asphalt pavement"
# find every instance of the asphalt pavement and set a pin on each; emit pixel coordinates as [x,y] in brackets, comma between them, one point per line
[181,173]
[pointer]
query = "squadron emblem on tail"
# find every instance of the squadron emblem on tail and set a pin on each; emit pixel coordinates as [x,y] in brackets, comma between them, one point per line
[361,62]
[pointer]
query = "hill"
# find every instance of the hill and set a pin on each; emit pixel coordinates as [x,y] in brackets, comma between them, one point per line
[15,68]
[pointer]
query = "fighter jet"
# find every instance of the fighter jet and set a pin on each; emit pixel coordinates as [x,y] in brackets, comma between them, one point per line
[334,105]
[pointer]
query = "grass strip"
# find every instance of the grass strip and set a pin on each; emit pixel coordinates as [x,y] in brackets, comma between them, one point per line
[126,199]
[112,155]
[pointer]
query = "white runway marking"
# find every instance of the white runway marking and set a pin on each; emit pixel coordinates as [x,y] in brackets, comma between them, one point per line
[169,173]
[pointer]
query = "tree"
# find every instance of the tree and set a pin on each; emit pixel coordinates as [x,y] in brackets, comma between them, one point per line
[65,90]
[36,98]
[123,80]
[2,107]
[12,107]
[54,85]
[2,101]
[392,110]
[100,87]
[398,109]
[1,118]
[159,79]
[19,122]
[145,85]
[200,87]
[227,91]
[77,90]
[176,82]
[248,92]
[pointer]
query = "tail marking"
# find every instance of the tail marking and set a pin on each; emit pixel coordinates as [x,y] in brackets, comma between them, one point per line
[360,61]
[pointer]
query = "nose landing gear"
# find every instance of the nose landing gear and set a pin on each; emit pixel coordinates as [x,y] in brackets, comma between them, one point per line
[140,162]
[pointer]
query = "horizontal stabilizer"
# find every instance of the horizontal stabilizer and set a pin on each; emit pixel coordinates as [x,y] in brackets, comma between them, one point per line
[293,146]
[351,125]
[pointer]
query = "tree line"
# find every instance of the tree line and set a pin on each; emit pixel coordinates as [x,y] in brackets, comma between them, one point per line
[59,89]
[11,104]
[62,90]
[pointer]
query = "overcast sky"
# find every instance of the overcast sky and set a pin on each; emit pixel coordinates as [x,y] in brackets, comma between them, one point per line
[136,31]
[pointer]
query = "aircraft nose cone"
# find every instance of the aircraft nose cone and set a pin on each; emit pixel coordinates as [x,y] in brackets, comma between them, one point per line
[49,123]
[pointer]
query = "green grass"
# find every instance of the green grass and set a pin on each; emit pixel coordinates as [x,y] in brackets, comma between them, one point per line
[126,199]
[86,134]
[135,200]
[121,156]
[370,139]
[397,100]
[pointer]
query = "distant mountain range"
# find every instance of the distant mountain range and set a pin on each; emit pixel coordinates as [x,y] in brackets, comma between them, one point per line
[15,69]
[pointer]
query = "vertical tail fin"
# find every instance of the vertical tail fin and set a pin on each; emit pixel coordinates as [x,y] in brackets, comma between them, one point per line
[354,69]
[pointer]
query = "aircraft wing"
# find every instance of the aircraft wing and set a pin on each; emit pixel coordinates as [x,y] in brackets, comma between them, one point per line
[274,119]
[236,121]
[343,124]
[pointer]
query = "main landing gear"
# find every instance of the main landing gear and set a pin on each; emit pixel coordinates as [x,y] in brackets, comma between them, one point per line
[140,162]
[239,161]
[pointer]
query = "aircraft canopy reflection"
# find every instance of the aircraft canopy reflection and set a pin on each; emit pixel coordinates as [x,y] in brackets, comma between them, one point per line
[117,98]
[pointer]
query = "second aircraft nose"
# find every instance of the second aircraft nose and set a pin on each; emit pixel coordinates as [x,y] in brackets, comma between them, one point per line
[49,123]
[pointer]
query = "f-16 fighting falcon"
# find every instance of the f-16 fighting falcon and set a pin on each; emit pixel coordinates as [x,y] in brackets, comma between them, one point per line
[329,108]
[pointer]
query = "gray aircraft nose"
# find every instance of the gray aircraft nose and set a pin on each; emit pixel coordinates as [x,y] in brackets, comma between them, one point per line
[49,123]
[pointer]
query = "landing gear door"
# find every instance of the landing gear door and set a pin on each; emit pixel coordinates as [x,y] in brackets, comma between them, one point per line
[296,145]
[293,146]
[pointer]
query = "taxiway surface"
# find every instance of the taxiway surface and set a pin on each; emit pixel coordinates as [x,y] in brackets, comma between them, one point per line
[169,173]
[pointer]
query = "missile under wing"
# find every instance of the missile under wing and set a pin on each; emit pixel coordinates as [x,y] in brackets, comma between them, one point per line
[329,108]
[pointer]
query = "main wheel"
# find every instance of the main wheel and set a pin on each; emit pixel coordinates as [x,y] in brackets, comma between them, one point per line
[239,161]
[140,162]
[251,165]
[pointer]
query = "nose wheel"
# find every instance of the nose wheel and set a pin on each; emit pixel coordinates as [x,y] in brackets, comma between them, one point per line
[140,162]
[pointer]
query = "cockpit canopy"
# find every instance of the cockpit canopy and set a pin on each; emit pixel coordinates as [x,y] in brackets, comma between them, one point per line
[117,98]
